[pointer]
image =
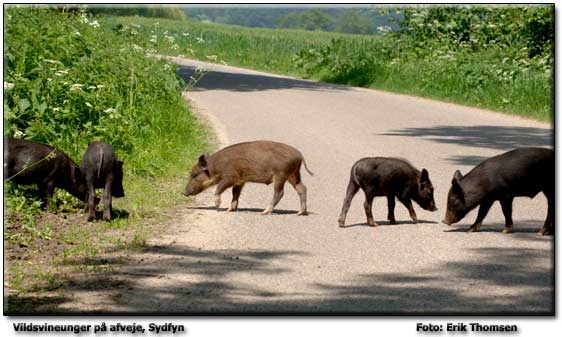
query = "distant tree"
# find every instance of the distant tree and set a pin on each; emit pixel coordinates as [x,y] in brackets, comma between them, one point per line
[316,19]
[167,12]
[325,18]
[291,20]
[313,19]
[353,22]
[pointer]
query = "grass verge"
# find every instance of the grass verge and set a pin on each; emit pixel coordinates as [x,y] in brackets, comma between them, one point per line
[83,82]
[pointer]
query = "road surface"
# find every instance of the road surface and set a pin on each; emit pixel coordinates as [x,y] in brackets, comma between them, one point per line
[245,262]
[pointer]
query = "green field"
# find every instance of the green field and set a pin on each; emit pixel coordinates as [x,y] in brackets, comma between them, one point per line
[494,57]
[264,49]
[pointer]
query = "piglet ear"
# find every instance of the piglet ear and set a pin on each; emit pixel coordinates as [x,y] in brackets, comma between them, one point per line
[458,175]
[203,161]
[424,177]
[457,182]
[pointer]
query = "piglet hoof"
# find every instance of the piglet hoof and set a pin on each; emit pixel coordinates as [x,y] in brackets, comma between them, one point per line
[545,231]
[507,230]
[474,228]
[341,223]
[217,202]
[267,211]
[91,218]
[233,206]
[302,212]
[371,223]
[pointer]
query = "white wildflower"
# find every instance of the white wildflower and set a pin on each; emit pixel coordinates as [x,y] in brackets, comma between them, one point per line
[76,87]
[384,29]
[99,86]
[153,38]
[19,134]
[8,86]
[52,61]
[185,34]
[211,57]
[61,72]
[109,110]
[88,105]
[56,109]
[84,18]
[94,24]
[92,87]
[77,33]
[199,40]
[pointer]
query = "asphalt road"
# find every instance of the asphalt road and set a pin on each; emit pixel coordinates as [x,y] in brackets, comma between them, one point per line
[245,262]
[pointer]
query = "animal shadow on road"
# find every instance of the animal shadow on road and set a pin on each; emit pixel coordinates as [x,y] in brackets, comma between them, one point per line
[497,227]
[219,80]
[483,136]
[242,209]
[387,223]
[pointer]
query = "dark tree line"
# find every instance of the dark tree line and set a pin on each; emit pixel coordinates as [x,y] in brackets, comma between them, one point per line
[364,20]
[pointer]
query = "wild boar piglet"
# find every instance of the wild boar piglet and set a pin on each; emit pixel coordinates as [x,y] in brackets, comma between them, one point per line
[390,177]
[28,162]
[522,172]
[262,162]
[102,169]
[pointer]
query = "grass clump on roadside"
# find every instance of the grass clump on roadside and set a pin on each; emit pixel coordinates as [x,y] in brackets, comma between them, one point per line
[496,57]
[69,80]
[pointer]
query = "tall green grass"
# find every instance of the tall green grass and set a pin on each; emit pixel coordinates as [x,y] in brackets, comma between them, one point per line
[258,48]
[70,79]
[494,57]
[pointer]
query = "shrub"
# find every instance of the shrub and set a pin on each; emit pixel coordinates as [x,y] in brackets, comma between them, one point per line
[69,80]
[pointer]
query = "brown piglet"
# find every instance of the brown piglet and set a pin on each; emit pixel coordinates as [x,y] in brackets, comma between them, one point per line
[262,162]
